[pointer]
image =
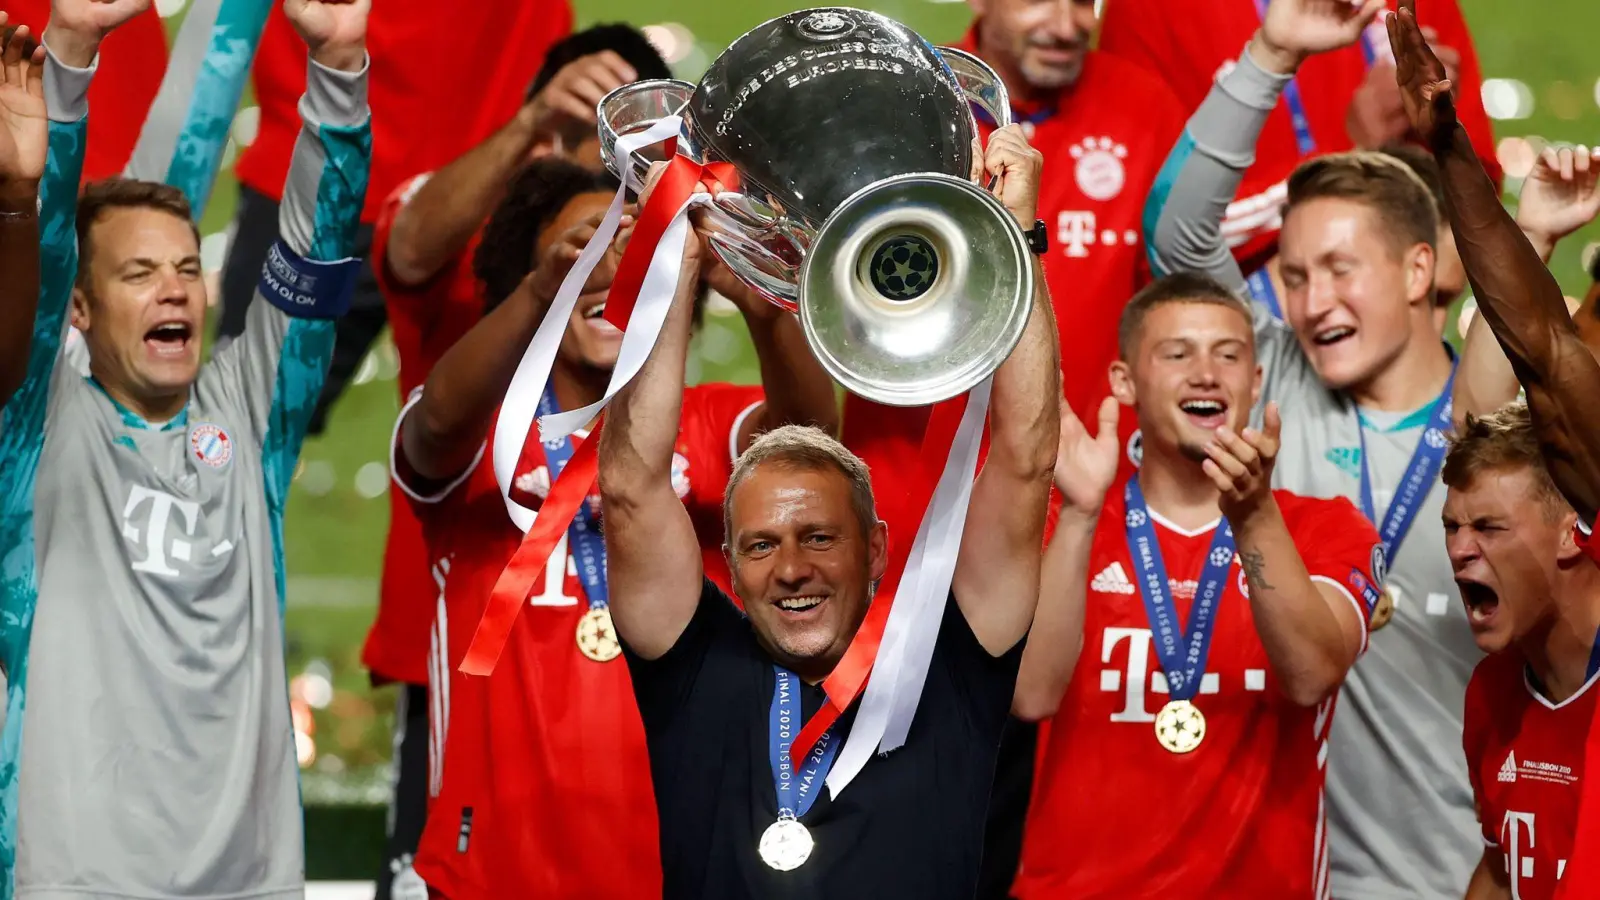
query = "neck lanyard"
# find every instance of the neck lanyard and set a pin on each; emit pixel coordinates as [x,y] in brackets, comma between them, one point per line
[587,542]
[1182,656]
[1420,473]
[1260,286]
[797,791]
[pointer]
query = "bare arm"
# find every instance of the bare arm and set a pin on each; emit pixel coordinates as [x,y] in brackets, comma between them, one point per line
[1310,630]
[1085,468]
[1517,295]
[1489,880]
[652,554]
[19,290]
[441,435]
[1559,197]
[438,222]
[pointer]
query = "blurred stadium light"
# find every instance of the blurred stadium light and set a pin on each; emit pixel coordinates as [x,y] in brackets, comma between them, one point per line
[1507,98]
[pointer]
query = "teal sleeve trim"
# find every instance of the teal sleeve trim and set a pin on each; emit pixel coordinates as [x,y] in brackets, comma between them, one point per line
[217,90]
[1156,201]
[22,435]
[308,344]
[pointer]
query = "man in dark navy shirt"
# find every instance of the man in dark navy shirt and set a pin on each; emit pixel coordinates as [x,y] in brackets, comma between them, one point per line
[724,694]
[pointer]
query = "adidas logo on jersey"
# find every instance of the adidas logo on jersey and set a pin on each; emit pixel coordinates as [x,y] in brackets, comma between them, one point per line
[1112,580]
[1508,769]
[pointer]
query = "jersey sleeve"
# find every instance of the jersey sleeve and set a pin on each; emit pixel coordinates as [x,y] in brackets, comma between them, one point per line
[276,368]
[23,423]
[426,497]
[1472,744]
[1341,548]
[708,437]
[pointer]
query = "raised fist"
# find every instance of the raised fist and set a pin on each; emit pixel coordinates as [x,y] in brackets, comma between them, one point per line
[335,31]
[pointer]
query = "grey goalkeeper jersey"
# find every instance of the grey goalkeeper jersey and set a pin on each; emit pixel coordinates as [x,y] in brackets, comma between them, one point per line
[1400,812]
[147,749]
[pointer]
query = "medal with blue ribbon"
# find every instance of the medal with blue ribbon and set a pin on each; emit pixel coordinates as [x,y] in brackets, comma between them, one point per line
[786,844]
[1420,474]
[1180,726]
[597,639]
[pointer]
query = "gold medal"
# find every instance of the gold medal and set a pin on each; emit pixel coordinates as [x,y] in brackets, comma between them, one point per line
[1180,726]
[596,638]
[1383,610]
[786,844]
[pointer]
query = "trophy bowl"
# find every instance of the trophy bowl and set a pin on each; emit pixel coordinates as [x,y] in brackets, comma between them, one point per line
[853,139]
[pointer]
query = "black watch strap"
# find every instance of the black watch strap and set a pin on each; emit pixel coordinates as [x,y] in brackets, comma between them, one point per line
[1038,237]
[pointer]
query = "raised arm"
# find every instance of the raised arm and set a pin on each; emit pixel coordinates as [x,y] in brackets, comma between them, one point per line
[1559,196]
[1185,210]
[996,580]
[1311,628]
[24,147]
[652,554]
[1085,468]
[442,431]
[1517,296]
[438,222]
[798,390]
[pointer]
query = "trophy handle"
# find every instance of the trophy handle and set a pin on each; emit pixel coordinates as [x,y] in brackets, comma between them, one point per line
[633,108]
[981,84]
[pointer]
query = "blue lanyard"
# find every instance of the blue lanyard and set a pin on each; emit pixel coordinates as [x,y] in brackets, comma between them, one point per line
[1291,93]
[587,543]
[797,791]
[1183,657]
[1419,477]
[1260,284]
[1594,658]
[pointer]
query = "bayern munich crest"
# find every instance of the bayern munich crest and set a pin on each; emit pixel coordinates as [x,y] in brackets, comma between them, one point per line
[826,25]
[1098,169]
[680,475]
[211,445]
[535,482]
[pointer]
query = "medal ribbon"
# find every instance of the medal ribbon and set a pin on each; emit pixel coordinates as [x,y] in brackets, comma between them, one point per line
[1260,286]
[1182,656]
[797,791]
[648,275]
[1420,473]
[583,535]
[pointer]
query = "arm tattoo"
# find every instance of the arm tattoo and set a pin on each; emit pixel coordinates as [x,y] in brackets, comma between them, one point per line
[1254,564]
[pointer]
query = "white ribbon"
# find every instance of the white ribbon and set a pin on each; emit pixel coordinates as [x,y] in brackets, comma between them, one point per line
[906,651]
[660,285]
[521,403]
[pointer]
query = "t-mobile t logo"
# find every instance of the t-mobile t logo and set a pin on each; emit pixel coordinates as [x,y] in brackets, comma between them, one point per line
[1075,230]
[158,557]
[1137,679]
[1517,842]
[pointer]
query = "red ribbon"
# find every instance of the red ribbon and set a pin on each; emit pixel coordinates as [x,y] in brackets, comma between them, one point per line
[849,677]
[568,492]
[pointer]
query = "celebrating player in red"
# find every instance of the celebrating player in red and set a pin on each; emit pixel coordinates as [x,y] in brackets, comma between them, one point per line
[1219,618]
[1523,304]
[540,779]
[1534,604]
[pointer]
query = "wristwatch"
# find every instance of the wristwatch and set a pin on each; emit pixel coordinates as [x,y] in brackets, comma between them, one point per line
[1038,237]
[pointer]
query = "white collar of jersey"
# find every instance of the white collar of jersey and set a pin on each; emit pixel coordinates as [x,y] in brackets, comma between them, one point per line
[1169,525]
[1527,682]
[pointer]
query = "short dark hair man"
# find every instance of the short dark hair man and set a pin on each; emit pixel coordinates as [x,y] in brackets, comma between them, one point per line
[723,695]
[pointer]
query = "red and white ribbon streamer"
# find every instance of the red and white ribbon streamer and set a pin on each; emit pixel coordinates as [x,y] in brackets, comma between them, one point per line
[521,403]
[906,651]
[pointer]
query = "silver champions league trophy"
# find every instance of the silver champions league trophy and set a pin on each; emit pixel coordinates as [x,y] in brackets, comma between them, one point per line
[853,138]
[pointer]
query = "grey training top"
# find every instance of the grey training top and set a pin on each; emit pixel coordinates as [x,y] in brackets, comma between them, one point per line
[1400,811]
[147,748]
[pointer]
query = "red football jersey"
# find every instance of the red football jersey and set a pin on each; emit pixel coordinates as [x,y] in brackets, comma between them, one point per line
[1103,147]
[1526,758]
[1161,36]
[1116,816]
[1583,881]
[424,113]
[539,775]
[424,321]
[132,62]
